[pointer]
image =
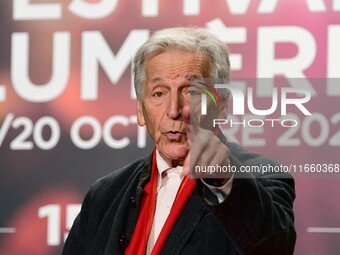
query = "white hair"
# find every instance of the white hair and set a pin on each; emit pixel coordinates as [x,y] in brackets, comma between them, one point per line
[190,39]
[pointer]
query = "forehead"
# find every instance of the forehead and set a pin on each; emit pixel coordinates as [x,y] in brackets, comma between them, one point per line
[175,64]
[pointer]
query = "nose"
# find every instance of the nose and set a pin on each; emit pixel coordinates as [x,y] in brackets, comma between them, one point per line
[175,106]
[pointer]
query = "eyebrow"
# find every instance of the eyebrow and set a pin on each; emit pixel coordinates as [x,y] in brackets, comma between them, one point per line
[190,78]
[193,77]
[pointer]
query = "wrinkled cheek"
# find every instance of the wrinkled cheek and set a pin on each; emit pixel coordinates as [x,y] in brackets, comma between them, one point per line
[151,129]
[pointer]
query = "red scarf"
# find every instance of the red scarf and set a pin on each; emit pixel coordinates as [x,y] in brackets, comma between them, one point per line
[139,240]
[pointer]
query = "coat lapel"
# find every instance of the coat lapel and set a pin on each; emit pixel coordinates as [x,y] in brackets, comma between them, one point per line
[185,225]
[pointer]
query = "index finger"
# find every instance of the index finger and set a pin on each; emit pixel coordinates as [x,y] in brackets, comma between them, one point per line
[190,122]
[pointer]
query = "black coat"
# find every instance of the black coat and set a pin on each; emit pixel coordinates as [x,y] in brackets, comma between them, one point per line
[256,218]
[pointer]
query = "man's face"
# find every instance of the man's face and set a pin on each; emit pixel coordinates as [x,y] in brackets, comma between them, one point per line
[165,92]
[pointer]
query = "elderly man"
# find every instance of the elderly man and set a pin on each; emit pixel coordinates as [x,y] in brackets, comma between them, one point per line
[152,206]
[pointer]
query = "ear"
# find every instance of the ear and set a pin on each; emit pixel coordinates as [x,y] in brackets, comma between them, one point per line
[140,115]
[223,113]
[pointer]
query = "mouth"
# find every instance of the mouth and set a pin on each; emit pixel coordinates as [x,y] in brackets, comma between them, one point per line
[174,135]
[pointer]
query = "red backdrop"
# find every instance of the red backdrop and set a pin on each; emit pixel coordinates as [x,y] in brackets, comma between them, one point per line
[67,108]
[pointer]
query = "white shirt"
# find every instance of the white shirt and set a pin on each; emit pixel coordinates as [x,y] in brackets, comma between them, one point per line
[168,182]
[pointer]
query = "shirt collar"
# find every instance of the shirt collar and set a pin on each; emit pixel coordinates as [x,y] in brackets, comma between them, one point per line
[162,166]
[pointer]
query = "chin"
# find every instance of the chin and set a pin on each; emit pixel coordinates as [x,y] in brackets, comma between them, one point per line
[174,151]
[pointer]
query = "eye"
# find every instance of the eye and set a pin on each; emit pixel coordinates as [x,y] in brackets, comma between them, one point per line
[194,92]
[158,94]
